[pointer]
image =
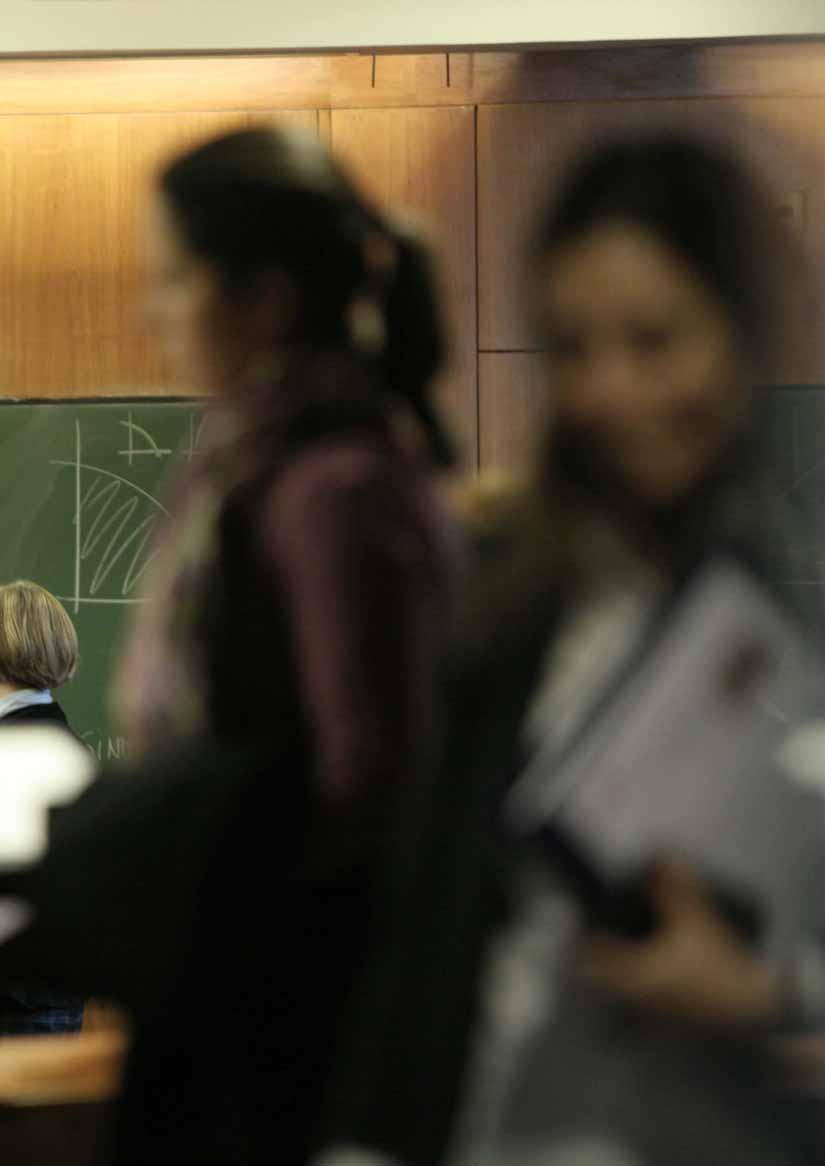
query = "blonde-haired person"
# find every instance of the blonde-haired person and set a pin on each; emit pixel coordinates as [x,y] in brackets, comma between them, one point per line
[38,653]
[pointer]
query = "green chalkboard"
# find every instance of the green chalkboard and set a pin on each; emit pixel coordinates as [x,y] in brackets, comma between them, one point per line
[82,486]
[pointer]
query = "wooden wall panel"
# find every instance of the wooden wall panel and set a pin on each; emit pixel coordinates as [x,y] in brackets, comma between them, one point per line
[233,82]
[363,80]
[72,192]
[633,72]
[72,188]
[424,160]
[519,148]
[514,401]
[524,149]
[164,84]
[146,141]
[791,152]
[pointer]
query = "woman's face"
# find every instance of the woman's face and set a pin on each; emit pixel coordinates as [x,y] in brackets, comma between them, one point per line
[213,341]
[181,306]
[646,370]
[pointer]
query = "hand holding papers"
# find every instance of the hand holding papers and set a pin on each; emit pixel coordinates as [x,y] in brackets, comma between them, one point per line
[689,755]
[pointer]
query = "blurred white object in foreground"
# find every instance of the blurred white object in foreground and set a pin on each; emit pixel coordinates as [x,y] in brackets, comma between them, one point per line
[40,767]
[802,755]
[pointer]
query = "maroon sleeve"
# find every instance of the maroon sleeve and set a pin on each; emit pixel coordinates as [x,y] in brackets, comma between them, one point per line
[358,576]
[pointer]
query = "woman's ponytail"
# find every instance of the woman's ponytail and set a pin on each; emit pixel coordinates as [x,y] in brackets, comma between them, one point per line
[414,347]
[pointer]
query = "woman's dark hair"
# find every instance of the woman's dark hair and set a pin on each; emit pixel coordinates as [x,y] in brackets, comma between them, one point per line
[698,199]
[259,201]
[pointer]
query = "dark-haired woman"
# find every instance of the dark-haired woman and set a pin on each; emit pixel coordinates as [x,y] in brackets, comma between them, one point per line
[656,280]
[305,550]
[300,596]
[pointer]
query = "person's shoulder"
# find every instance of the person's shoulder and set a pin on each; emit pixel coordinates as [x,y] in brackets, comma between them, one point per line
[491,506]
[37,712]
[354,489]
[337,467]
[51,714]
[511,585]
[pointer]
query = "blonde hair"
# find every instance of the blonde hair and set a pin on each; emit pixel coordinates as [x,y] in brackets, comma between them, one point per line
[38,642]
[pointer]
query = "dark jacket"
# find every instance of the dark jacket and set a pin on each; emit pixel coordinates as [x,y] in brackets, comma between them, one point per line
[324,610]
[29,1010]
[47,714]
[412,1025]
[183,890]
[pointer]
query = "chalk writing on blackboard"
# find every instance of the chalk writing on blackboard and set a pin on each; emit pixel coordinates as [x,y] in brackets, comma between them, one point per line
[195,430]
[150,448]
[112,530]
[104,747]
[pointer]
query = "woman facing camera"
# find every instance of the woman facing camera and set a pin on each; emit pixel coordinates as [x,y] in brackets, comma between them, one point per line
[38,653]
[525,1024]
